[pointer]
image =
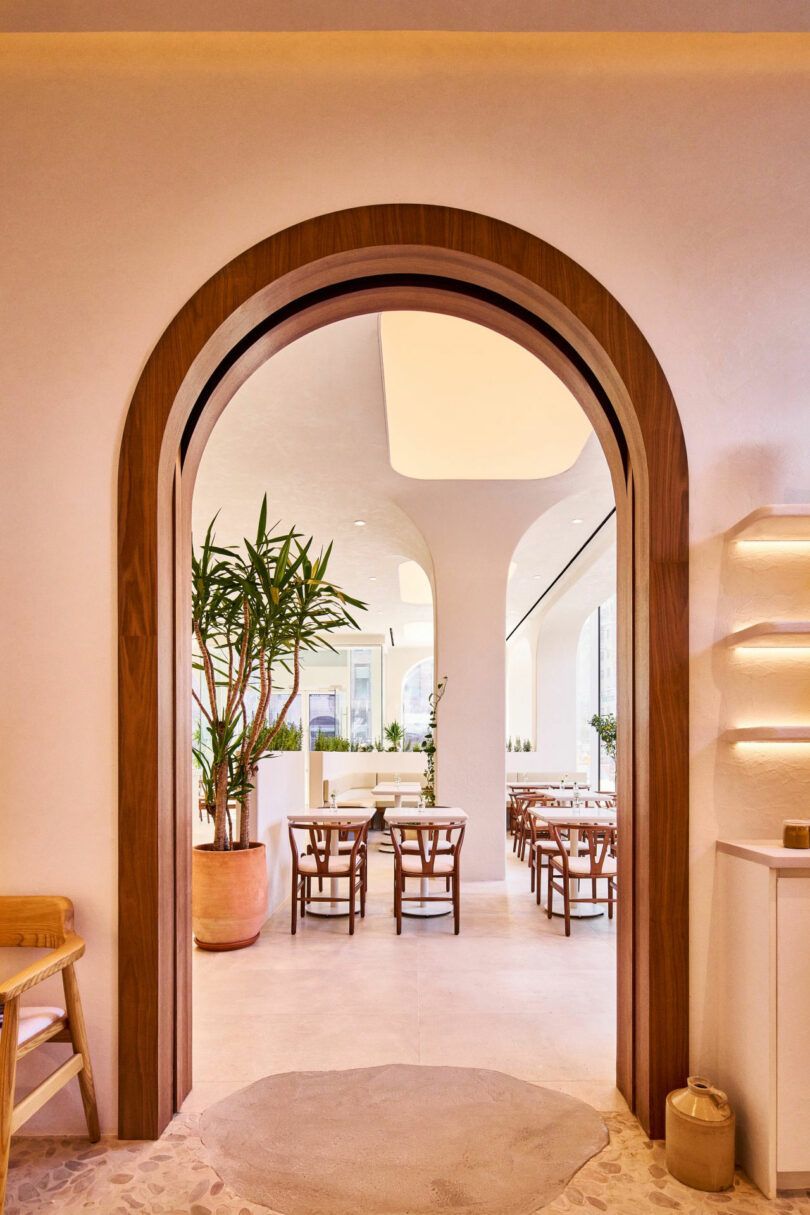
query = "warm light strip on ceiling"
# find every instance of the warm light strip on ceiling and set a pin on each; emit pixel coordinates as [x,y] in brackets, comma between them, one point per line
[465,403]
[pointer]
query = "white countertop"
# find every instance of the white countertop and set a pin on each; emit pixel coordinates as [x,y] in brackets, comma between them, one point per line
[767,852]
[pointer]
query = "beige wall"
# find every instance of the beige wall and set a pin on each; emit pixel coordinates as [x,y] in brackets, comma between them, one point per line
[132,169]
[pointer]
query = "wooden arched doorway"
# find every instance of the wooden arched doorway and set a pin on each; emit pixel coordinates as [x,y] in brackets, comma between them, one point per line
[343,264]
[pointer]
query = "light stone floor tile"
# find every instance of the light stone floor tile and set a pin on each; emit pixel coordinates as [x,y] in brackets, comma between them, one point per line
[510,993]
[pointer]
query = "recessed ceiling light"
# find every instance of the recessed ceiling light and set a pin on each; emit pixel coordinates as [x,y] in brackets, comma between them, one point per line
[537,577]
[576,520]
[359,523]
[372,579]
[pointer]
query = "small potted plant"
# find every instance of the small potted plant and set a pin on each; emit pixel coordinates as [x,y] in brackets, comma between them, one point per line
[394,736]
[255,608]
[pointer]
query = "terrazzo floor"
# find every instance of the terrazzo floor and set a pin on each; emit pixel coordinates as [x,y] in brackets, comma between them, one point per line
[510,993]
[173,1177]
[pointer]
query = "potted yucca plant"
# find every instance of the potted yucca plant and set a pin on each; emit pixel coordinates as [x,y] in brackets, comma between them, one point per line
[255,609]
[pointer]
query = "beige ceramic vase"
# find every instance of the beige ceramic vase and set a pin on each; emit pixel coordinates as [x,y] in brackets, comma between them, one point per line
[700,1136]
[228,896]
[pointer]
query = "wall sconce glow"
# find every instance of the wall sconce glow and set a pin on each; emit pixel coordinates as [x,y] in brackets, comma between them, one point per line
[359,523]
[465,403]
[414,584]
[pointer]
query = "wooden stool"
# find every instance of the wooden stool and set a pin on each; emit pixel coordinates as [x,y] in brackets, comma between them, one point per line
[41,922]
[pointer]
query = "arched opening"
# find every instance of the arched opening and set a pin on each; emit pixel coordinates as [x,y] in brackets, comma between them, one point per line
[428,259]
[418,683]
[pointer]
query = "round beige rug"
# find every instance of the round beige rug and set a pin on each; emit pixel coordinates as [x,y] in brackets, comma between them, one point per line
[400,1140]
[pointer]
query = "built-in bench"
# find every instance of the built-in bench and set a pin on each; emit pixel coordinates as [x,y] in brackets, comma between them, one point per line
[355,789]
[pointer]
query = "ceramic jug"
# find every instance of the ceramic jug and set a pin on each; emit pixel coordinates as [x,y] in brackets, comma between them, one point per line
[700,1136]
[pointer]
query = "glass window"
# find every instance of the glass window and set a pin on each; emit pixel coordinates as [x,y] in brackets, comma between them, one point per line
[607,683]
[587,697]
[323,715]
[277,703]
[360,696]
[417,686]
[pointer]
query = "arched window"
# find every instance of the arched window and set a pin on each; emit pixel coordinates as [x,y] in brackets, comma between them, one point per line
[416,687]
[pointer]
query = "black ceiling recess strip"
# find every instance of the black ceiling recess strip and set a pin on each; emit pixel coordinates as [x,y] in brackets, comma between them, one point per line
[430,281]
[595,532]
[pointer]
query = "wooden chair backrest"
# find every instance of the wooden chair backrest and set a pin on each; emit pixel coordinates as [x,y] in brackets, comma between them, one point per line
[323,836]
[429,836]
[600,841]
[40,921]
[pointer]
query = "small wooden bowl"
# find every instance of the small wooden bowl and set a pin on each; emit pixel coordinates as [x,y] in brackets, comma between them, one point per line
[796,833]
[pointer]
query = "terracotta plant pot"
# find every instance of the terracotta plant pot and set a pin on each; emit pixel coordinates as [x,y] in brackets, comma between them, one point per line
[228,896]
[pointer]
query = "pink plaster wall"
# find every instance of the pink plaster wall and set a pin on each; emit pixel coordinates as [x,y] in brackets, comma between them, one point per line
[134,166]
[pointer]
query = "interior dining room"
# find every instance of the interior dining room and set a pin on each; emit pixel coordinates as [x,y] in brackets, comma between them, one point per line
[406,551]
[355,723]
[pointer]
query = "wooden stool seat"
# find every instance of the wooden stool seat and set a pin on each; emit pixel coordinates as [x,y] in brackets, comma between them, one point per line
[41,922]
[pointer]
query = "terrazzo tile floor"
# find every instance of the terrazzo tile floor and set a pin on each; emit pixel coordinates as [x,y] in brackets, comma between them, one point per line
[510,993]
[172,1177]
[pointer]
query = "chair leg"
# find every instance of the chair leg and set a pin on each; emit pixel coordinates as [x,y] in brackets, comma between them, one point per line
[539,876]
[611,897]
[398,902]
[532,861]
[78,1033]
[551,888]
[363,891]
[294,901]
[352,899]
[456,900]
[567,907]
[8,1072]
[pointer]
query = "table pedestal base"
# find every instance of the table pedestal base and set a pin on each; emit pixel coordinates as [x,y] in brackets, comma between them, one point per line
[426,911]
[330,909]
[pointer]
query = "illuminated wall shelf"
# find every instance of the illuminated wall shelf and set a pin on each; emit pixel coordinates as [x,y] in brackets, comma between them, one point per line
[768,734]
[772,635]
[774,524]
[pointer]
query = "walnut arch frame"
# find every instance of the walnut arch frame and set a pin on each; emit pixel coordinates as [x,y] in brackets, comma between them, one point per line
[324,269]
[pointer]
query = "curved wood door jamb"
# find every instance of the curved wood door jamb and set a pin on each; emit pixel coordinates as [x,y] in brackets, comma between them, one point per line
[472,255]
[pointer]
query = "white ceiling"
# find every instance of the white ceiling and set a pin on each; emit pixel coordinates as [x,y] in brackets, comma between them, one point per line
[480,15]
[309,429]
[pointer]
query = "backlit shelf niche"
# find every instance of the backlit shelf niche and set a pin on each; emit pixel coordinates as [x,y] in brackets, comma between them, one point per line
[772,635]
[768,734]
[786,524]
[774,525]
